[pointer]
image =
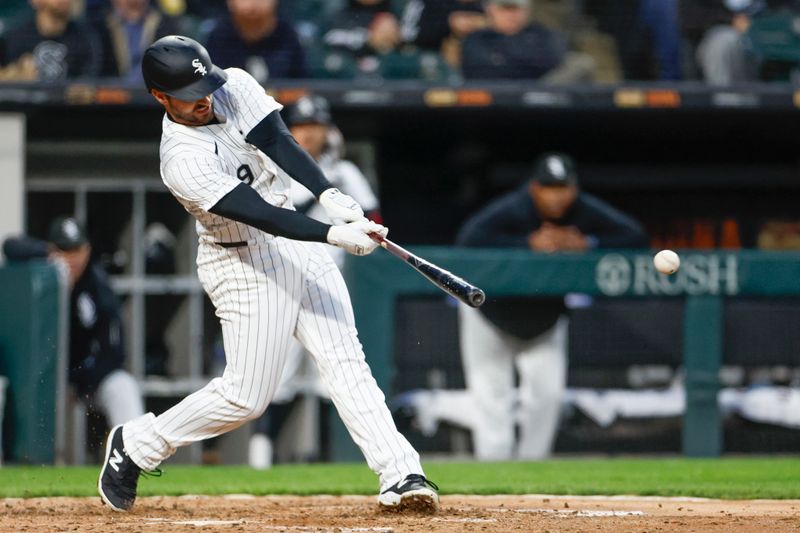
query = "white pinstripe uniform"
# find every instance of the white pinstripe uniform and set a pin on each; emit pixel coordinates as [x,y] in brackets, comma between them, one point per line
[263,292]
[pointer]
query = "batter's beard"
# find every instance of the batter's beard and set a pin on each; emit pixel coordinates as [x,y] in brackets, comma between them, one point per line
[191,119]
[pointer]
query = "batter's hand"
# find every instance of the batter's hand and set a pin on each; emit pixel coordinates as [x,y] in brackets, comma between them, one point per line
[339,207]
[354,237]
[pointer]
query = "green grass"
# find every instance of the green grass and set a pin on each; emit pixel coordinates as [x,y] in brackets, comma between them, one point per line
[713,478]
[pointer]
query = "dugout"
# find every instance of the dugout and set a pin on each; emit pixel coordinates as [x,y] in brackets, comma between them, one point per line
[639,318]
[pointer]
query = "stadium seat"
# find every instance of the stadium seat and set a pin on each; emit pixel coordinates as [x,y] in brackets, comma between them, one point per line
[330,64]
[310,18]
[14,8]
[12,13]
[412,64]
[399,65]
[774,41]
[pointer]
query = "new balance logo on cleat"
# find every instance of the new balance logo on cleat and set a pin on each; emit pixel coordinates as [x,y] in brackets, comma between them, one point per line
[119,476]
[116,460]
[413,493]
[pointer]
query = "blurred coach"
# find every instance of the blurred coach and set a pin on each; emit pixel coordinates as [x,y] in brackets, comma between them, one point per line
[549,213]
[96,350]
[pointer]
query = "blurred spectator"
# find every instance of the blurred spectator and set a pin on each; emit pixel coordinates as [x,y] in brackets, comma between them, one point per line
[441,25]
[206,9]
[309,120]
[696,17]
[659,21]
[96,347]
[548,214]
[741,40]
[126,32]
[721,54]
[95,11]
[364,29]
[647,33]
[255,39]
[512,46]
[50,46]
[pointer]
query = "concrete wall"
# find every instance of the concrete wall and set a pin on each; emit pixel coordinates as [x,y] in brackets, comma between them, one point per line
[12,174]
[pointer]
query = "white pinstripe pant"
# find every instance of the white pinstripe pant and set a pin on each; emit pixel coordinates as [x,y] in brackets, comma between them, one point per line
[264,294]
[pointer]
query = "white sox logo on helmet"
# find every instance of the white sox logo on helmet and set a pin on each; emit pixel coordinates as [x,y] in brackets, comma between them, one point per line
[199,67]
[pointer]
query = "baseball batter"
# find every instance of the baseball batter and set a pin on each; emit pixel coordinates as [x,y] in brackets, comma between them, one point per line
[227,157]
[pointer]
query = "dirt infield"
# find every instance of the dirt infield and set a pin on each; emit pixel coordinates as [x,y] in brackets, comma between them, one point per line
[358,513]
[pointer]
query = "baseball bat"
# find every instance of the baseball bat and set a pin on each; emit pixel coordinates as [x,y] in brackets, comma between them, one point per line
[447,281]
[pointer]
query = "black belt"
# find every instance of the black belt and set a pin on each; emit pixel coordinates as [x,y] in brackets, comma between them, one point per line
[238,244]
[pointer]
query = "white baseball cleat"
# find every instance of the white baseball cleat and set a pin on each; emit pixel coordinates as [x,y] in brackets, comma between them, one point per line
[413,493]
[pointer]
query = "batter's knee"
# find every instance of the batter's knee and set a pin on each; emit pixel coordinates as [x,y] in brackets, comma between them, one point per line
[252,412]
[240,402]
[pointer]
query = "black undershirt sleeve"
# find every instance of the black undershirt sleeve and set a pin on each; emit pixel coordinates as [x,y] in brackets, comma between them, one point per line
[273,138]
[244,205]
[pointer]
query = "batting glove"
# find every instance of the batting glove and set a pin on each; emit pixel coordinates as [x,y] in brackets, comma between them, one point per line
[339,207]
[354,237]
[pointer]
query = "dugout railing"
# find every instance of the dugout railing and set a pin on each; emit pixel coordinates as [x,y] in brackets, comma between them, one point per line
[703,282]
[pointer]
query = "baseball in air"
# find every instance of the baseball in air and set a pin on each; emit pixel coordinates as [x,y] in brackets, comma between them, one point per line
[667,262]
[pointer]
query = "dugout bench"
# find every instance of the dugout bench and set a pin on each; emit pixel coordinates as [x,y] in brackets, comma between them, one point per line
[704,280]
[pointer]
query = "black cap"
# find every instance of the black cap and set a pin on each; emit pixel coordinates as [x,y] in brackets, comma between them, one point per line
[66,233]
[310,110]
[180,67]
[555,169]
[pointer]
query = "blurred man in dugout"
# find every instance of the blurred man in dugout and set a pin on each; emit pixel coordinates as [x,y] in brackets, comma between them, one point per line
[96,349]
[548,214]
[311,124]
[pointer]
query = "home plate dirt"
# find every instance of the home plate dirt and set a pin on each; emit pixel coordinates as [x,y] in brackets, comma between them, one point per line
[345,514]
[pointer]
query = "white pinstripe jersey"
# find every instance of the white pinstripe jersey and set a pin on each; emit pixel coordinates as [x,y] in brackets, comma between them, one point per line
[201,164]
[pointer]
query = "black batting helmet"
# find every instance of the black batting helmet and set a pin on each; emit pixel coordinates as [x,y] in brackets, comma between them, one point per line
[310,110]
[180,67]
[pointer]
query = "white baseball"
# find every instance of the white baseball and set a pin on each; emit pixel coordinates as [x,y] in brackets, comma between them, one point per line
[667,262]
